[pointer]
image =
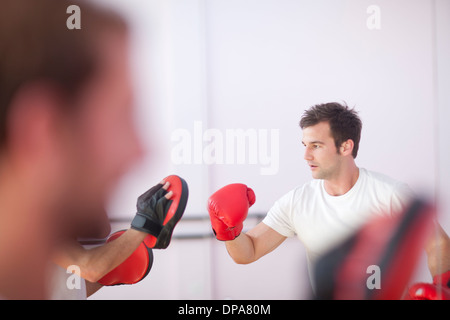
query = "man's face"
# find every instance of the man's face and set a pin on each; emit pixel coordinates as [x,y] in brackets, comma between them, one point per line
[102,140]
[321,153]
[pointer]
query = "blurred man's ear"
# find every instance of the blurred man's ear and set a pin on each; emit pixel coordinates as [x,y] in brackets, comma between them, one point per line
[34,122]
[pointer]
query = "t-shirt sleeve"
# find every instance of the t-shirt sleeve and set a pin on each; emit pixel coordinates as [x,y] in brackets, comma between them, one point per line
[279,216]
[401,197]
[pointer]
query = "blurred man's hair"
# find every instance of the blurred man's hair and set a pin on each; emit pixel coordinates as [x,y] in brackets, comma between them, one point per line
[36,45]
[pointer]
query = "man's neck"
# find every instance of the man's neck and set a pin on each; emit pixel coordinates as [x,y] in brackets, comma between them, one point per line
[343,181]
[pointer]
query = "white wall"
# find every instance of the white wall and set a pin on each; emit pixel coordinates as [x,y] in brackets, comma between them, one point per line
[257,65]
[443,103]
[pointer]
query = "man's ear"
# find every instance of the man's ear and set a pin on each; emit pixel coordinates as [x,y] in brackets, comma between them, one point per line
[33,121]
[347,147]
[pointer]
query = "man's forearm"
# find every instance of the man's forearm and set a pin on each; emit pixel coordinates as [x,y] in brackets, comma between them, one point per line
[252,245]
[438,252]
[97,262]
[241,249]
[110,255]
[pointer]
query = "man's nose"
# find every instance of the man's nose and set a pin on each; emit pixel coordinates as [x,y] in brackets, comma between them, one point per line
[308,156]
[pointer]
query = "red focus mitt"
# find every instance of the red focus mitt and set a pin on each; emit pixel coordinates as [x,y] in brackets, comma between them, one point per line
[389,246]
[133,269]
[157,215]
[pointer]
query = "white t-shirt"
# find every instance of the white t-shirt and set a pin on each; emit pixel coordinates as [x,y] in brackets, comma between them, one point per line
[322,221]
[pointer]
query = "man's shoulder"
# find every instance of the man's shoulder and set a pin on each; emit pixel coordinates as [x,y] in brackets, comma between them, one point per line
[381,179]
[383,182]
[307,189]
[396,194]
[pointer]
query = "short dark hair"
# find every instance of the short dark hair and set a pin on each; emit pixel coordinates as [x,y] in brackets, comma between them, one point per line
[344,122]
[35,45]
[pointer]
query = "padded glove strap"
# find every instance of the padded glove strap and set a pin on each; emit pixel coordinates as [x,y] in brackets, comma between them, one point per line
[143,223]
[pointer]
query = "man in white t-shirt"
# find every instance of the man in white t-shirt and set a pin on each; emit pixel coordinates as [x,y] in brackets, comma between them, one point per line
[322,212]
[321,220]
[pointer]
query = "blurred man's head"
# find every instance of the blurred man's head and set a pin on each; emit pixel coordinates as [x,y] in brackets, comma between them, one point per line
[66,112]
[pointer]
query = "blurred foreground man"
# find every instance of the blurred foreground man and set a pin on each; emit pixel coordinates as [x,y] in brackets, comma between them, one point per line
[66,133]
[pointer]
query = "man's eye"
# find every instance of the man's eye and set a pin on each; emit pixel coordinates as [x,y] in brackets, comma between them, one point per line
[316,146]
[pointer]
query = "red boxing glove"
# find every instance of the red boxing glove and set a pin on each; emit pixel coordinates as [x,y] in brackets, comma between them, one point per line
[228,208]
[438,290]
[133,269]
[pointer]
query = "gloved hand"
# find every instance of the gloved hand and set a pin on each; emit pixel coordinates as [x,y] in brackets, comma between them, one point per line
[228,208]
[157,215]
